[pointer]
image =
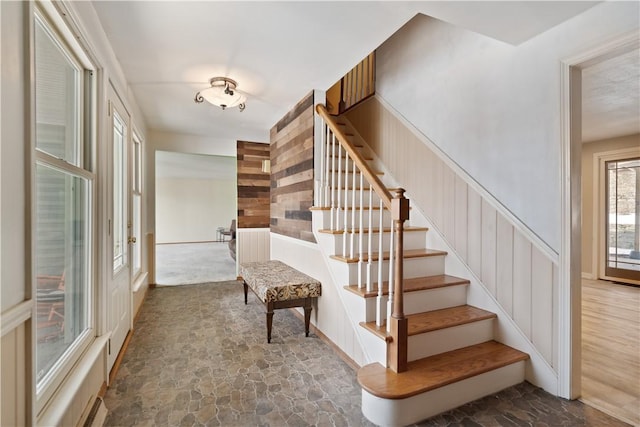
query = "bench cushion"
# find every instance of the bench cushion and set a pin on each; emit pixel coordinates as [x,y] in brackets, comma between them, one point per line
[276,281]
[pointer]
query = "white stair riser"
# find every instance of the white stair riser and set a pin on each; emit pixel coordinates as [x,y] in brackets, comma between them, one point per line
[432,299]
[376,347]
[357,306]
[322,219]
[375,202]
[413,267]
[412,240]
[401,412]
[448,339]
[435,299]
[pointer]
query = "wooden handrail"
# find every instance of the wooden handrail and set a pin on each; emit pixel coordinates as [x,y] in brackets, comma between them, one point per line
[369,175]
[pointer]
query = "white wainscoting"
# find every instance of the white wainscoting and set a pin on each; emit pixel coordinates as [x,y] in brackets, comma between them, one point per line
[329,314]
[516,267]
[13,365]
[252,244]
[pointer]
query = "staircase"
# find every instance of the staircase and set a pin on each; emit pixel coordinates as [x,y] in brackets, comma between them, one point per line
[431,352]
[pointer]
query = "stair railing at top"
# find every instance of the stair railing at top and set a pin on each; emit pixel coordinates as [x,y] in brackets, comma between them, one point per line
[356,86]
[349,189]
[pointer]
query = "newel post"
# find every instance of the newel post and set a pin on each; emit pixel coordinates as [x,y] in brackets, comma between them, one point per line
[397,348]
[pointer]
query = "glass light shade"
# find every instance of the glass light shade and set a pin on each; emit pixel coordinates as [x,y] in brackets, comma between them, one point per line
[216,95]
[222,93]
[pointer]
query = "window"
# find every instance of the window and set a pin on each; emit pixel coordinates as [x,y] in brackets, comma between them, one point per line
[119,192]
[137,205]
[63,205]
[623,216]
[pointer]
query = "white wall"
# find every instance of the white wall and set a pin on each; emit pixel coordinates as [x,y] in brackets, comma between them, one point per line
[492,107]
[179,143]
[190,210]
[14,136]
[329,314]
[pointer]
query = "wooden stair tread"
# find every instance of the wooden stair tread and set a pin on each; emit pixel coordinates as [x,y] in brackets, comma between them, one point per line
[364,157]
[437,371]
[374,230]
[434,320]
[412,285]
[358,171]
[420,323]
[409,253]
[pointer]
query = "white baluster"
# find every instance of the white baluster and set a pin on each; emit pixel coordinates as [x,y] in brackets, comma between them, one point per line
[339,173]
[391,284]
[353,211]
[345,235]
[361,283]
[333,181]
[327,164]
[370,241]
[320,192]
[380,312]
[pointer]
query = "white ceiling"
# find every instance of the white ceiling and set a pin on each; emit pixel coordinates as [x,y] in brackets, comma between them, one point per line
[611,98]
[277,51]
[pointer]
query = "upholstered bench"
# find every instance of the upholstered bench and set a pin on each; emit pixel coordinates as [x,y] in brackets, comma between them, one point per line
[278,285]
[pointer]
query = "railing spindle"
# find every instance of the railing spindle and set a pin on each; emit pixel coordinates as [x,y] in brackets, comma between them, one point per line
[327,164]
[339,189]
[320,191]
[380,316]
[391,279]
[361,283]
[334,212]
[345,234]
[370,241]
[353,211]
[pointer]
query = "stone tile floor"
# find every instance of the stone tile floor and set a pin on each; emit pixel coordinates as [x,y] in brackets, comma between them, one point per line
[199,357]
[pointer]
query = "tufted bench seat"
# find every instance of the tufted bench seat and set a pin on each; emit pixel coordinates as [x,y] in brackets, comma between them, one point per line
[278,285]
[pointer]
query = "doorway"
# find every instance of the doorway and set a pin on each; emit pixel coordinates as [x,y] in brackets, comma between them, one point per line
[196,199]
[605,129]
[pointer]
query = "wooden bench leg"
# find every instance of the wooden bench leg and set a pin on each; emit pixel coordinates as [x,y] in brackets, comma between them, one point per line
[269,320]
[307,315]
[246,290]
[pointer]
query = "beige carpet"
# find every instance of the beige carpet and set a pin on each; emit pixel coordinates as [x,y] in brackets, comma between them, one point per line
[189,263]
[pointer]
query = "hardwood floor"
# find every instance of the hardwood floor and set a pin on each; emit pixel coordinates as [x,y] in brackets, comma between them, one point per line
[611,348]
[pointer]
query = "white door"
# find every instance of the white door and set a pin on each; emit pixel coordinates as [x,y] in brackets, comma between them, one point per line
[119,277]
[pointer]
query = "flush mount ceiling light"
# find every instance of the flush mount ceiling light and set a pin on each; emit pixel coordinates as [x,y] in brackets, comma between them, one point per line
[222,93]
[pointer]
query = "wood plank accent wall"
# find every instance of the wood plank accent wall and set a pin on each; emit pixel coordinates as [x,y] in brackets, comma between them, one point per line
[520,276]
[253,185]
[292,172]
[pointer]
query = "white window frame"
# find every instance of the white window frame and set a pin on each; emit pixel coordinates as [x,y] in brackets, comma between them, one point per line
[49,17]
[136,179]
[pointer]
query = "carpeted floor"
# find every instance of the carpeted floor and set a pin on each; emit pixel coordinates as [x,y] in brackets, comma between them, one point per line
[199,356]
[189,263]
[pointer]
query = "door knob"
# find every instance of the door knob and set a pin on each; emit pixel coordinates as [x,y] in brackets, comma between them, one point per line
[131,240]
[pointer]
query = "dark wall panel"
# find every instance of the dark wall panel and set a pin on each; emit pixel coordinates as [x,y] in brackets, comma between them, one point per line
[253,185]
[292,172]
